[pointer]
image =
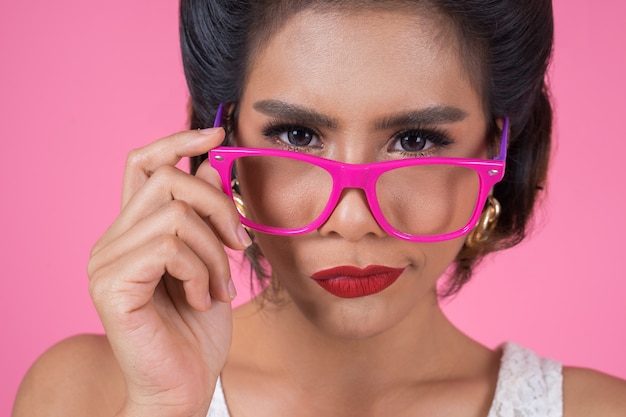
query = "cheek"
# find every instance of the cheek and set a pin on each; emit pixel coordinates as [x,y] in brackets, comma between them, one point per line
[439,256]
[278,251]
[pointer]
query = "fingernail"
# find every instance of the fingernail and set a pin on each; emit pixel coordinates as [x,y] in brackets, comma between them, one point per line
[199,143]
[244,237]
[209,130]
[232,291]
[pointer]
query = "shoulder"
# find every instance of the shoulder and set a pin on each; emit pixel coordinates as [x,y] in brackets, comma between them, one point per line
[76,376]
[591,393]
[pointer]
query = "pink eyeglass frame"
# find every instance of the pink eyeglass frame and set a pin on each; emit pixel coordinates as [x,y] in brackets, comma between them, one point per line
[364,177]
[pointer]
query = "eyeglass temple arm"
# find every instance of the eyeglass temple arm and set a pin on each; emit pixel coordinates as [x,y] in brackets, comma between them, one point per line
[505,140]
[218,116]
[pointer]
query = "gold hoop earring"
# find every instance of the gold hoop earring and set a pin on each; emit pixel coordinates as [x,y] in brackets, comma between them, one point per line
[239,204]
[487,222]
[241,208]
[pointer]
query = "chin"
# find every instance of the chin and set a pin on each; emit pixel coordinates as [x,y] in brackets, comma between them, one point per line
[355,318]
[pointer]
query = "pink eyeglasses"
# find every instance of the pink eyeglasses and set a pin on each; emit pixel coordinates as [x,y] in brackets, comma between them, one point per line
[419,199]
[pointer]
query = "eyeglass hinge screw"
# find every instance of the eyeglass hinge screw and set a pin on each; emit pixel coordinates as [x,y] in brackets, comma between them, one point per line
[493,172]
[218,158]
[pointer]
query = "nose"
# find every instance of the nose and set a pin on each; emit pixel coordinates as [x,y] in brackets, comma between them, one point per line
[352,218]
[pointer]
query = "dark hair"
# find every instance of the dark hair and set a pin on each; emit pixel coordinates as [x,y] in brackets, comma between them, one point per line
[505,44]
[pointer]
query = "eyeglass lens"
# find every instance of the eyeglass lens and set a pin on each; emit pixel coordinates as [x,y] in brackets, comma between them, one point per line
[421,200]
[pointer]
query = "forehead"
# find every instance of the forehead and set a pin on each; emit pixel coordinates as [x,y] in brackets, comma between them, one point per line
[355,56]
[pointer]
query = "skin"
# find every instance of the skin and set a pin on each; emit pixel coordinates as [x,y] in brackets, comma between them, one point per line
[392,353]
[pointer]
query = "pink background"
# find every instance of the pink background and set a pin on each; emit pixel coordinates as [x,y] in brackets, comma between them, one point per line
[81,83]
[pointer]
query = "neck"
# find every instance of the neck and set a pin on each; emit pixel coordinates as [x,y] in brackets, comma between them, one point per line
[421,347]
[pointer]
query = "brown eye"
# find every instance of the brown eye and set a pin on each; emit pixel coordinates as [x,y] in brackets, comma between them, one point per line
[419,140]
[413,141]
[299,136]
[295,136]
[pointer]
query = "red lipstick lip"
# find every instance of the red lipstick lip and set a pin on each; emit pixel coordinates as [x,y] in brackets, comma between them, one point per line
[352,282]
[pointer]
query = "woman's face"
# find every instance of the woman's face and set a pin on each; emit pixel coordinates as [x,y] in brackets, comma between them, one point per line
[359,87]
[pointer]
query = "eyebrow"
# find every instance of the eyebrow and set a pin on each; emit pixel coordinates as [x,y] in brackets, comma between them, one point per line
[429,116]
[298,114]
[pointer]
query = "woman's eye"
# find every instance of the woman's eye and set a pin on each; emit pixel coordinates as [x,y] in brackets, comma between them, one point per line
[418,140]
[293,137]
[298,136]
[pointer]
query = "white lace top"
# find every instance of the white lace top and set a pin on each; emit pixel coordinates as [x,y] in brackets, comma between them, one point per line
[528,386]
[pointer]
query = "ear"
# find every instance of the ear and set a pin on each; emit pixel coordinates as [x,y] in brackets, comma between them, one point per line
[229,109]
[501,124]
[231,116]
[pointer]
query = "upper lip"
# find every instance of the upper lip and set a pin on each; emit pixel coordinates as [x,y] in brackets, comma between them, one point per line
[348,271]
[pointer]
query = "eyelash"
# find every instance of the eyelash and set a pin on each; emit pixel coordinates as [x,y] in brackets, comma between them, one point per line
[438,137]
[273,129]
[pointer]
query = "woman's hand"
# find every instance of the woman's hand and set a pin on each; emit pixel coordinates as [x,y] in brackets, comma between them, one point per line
[160,279]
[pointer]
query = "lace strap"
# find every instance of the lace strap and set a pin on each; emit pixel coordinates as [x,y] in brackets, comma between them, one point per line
[528,386]
[218,407]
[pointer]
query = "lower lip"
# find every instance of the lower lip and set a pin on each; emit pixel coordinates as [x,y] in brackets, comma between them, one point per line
[351,282]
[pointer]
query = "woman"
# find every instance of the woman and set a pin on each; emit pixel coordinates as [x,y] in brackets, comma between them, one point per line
[434,115]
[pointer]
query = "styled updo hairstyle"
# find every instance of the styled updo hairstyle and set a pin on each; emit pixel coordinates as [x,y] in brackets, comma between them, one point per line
[505,45]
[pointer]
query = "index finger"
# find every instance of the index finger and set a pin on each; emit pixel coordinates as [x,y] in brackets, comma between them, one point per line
[142,162]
